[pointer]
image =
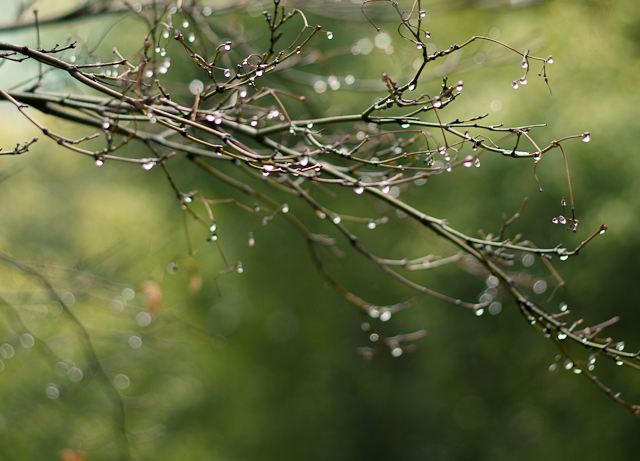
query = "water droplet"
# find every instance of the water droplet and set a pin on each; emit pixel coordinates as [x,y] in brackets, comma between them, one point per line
[539,287]
[422,14]
[568,364]
[562,335]
[564,257]
[373,337]
[468,161]
[619,362]
[459,85]
[524,64]
[196,86]
[554,220]
[121,381]
[437,103]
[563,307]
[185,24]
[135,342]
[411,87]
[227,73]
[523,80]
[99,161]
[144,318]
[106,125]
[336,219]
[285,208]
[75,374]
[562,220]
[515,85]
[148,164]
[329,35]
[419,45]
[385,316]
[479,312]
[27,341]
[396,352]
[359,189]
[227,46]
[620,346]
[371,225]
[52,391]
[586,136]
[476,162]
[550,60]
[191,38]
[374,313]
[239,268]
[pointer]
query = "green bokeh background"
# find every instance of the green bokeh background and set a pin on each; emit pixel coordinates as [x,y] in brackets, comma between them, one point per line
[263,365]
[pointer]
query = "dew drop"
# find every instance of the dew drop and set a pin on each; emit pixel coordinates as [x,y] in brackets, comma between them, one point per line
[371,225]
[562,336]
[422,14]
[586,136]
[373,337]
[359,189]
[562,220]
[396,352]
[515,85]
[148,164]
[285,208]
[523,80]
[550,60]
[385,316]
[227,73]
[479,312]
[437,103]
[99,162]
[329,35]
[336,219]
[459,85]
[468,161]
[52,391]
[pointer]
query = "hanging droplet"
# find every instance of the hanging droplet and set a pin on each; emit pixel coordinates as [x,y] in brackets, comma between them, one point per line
[476,162]
[419,45]
[427,34]
[620,346]
[586,136]
[227,73]
[564,257]
[359,189]
[329,35]
[396,352]
[253,122]
[459,85]
[52,391]
[148,164]
[422,14]
[185,24]
[563,307]
[371,225]
[479,312]
[239,268]
[373,337]
[525,63]
[550,60]
[336,219]
[385,316]
[99,161]
[554,220]
[284,208]
[468,161]
[385,188]
[562,220]
[227,46]
[523,80]
[515,85]
[562,335]
[603,230]
[437,103]
[191,38]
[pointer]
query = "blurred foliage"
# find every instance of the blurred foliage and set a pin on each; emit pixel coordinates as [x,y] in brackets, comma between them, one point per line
[263,365]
